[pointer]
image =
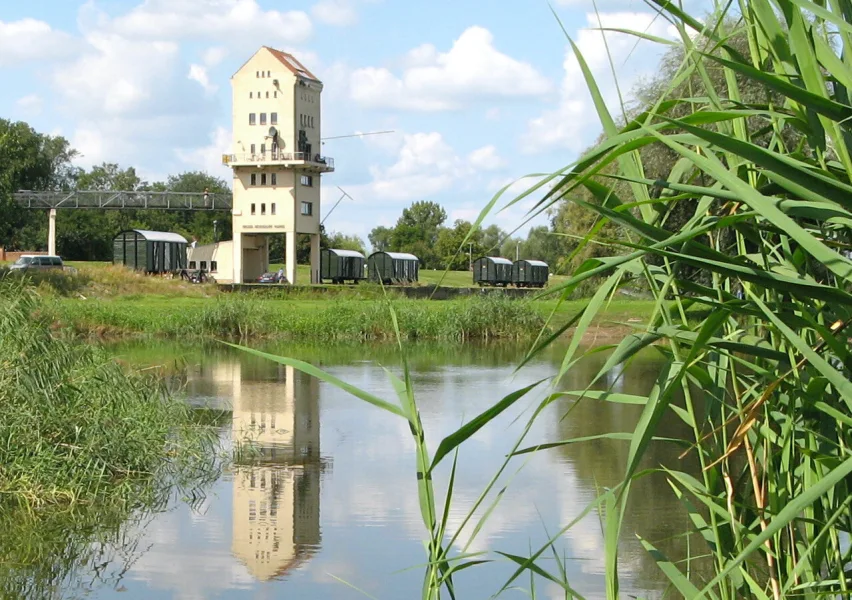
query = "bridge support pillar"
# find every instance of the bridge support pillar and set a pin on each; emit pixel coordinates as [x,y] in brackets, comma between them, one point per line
[315,258]
[51,232]
[291,256]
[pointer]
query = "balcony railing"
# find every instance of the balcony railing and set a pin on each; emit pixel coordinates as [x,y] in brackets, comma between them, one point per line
[321,163]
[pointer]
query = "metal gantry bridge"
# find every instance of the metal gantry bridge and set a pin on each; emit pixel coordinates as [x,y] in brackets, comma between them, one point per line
[119,200]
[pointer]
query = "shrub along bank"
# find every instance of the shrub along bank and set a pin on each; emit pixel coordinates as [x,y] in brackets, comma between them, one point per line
[243,316]
[76,427]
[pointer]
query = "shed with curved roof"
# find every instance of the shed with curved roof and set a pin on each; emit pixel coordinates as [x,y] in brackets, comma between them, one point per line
[341,265]
[150,251]
[393,267]
[492,270]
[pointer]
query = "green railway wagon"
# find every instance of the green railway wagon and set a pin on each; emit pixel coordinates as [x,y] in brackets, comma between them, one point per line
[393,267]
[492,270]
[530,273]
[150,251]
[341,265]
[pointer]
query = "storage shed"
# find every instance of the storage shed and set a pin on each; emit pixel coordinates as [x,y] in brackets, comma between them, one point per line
[530,273]
[393,267]
[492,270]
[341,265]
[150,251]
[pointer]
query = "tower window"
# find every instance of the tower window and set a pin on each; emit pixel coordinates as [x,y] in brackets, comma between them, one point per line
[267,94]
[273,179]
[273,118]
[274,94]
[263,118]
[307,208]
[252,117]
[268,73]
[272,212]
[263,182]
[253,209]
[263,148]
[263,209]
[307,180]
[253,182]
[257,74]
[253,148]
[251,94]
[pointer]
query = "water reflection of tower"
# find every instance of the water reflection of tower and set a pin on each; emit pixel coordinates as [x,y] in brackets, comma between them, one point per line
[276,499]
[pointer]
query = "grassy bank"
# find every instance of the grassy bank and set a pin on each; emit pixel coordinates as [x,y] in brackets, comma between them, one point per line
[244,316]
[78,428]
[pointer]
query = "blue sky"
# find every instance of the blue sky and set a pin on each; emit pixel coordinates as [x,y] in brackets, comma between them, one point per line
[478,93]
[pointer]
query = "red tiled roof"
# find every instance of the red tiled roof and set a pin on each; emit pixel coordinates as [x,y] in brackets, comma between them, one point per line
[292,63]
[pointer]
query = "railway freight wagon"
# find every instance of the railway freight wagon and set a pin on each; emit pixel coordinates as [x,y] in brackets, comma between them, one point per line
[341,265]
[393,267]
[150,251]
[492,270]
[530,273]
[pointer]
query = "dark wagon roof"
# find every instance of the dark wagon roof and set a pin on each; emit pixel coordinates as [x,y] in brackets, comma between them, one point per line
[497,260]
[534,263]
[398,255]
[159,236]
[351,253]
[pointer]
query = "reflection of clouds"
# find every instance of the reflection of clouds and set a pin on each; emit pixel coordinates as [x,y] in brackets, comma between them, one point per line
[190,561]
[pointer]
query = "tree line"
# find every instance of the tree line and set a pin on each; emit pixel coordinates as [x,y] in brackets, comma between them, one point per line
[421,231]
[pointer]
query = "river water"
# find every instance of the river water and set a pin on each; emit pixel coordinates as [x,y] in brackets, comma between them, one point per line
[330,509]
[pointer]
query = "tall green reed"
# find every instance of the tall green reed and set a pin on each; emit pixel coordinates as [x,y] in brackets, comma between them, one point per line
[762,378]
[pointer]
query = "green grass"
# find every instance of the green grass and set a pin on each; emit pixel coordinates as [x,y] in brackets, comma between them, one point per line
[246,316]
[75,426]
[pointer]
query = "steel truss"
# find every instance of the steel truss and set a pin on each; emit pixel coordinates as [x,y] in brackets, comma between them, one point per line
[125,200]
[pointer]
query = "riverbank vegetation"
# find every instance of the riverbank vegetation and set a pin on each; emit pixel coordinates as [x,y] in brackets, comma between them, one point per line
[78,428]
[750,220]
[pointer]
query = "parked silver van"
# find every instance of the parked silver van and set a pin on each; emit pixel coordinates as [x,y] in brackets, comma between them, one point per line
[29,262]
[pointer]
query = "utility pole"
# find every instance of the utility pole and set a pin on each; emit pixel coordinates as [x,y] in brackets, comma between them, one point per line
[469,256]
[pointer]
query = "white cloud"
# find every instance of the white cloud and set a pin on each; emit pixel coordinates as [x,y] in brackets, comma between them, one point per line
[492,114]
[571,125]
[425,165]
[199,74]
[32,40]
[338,13]
[486,159]
[434,81]
[211,19]
[214,55]
[209,158]
[30,104]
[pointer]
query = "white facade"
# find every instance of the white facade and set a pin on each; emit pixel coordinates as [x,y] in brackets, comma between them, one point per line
[276,160]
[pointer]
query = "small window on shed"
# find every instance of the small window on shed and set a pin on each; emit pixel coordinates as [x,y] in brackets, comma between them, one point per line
[213,266]
[192,264]
[203,265]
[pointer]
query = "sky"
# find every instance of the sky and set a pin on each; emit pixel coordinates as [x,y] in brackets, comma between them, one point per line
[478,94]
